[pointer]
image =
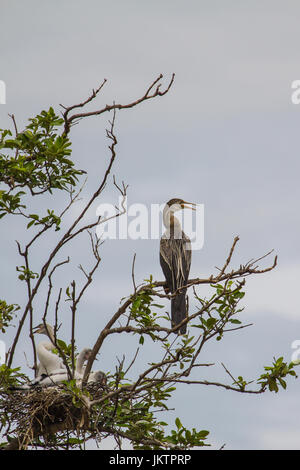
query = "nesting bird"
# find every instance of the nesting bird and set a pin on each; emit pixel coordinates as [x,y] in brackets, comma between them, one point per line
[50,363]
[51,371]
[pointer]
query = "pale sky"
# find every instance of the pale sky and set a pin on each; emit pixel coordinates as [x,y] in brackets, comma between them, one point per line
[226,136]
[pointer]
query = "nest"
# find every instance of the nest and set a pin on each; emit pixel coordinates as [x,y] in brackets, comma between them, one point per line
[38,415]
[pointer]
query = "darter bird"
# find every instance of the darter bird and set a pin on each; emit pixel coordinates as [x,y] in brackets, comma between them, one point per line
[175,259]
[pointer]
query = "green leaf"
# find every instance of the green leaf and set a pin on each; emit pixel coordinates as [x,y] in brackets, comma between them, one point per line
[30,224]
[178,423]
[210,322]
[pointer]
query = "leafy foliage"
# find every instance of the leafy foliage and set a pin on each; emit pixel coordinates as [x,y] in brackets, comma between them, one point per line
[221,308]
[183,438]
[37,159]
[142,311]
[47,221]
[26,273]
[10,377]
[7,312]
[274,375]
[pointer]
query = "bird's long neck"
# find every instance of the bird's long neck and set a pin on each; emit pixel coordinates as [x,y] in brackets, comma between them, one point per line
[171,222]
[80,362]
[50,334]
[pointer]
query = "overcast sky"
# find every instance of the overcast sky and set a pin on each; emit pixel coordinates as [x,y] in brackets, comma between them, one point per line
[226,135]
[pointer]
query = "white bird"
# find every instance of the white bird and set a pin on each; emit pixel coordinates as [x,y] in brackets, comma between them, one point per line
[94,377]
[83,356]
[97,377]
[59,376]
[54,379]
[50,363]
[45,380]
[51,370]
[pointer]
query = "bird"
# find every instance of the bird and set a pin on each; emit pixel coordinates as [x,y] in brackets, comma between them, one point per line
[47,380]
[49,362]
[175,259]
[57,376]
[51,371]
[83,356]
[94,377]
[48,330]
[97,377]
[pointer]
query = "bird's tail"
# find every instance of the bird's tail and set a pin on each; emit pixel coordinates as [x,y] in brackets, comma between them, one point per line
[179,311]
[20,387]
[31,385]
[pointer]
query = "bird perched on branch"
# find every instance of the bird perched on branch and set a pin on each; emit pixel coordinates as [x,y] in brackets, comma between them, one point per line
[175,259]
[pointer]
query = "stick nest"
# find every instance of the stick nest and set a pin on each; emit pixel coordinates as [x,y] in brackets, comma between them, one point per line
[43,412]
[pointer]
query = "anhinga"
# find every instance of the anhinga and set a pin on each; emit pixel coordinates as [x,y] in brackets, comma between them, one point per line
[175,259]
[51,370]
[49,362]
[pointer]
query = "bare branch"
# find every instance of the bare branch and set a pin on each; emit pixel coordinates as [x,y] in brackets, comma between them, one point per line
[150,93]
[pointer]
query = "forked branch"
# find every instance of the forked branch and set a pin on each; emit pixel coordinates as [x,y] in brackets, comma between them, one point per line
[152,91]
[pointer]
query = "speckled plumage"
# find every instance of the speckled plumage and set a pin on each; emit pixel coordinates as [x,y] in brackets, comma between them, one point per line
[175,261]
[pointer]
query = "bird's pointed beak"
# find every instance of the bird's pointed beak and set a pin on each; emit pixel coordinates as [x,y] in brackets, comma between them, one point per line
[37,329]
[187,205]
